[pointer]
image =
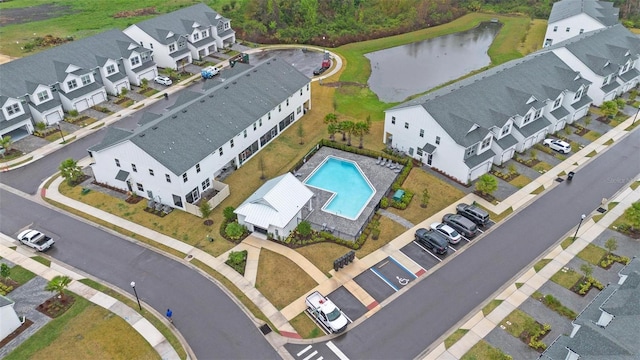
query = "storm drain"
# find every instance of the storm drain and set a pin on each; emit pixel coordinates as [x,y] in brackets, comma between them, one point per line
[265,329]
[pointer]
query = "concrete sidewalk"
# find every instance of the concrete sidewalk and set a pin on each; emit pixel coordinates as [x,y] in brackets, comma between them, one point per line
[131,316]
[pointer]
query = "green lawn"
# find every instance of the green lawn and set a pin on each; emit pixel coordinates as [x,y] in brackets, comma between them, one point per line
[567,278]
[540,264]
[592,254]
[21,275]
[305,327]
[491,306]
[542,167]
[483,351]
[566,242]
[520,181]
[453,338]
[520,321]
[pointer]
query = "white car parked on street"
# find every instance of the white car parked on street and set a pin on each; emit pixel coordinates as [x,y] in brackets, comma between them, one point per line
[163,80]
[558,145]
[448,232]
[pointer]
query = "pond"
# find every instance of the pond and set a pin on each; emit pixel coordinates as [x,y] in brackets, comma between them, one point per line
[406,70]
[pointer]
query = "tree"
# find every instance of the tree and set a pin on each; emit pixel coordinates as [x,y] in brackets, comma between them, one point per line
[534,154]
[300,132]
[331,120]
[5,270]
[332,129]
[5,143]
[304,228]
[40,126]
[58,284]
[261,166]
[512,169]
[144,83]
[360,129]
[621,103]
[632,215]
[347,128]
[609,108]
[587,270]
[611,245]
[487,184]
[229,214]
[70,171]
[205,211]
[424,200]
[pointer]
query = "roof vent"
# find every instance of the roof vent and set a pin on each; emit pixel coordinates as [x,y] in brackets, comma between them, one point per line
[226,87]
[268,63]
[184,110]
[211,95]
[201,100]
[234,83]
[254,70]
[248,75]
[142,135]
[174,116]
[154,128]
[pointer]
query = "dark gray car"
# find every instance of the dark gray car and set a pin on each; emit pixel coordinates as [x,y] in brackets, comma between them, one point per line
[432,240]
[473,213]
[463,225]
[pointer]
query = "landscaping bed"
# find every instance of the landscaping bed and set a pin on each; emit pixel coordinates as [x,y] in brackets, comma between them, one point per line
[56,305]
[524,327]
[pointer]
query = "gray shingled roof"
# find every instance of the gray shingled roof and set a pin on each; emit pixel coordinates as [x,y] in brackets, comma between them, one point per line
[476,160]
[189,133]
[601,11]
[48,67]
[598,48]
[491,97]
[620,339]
[180,22]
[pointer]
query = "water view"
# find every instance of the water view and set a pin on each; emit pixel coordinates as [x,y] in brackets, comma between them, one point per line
[403,71]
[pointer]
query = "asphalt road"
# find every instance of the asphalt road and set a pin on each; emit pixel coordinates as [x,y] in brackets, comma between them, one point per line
[213,324]
[411,323]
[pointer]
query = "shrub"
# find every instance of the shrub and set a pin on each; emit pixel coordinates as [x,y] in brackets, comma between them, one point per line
[229,214]
[234,230]
[237,257]
[384,203]
[304,228]
[73,112]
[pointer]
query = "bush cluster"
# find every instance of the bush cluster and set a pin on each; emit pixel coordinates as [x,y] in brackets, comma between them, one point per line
[404,202]
[534,341]
[5,289]
[610,259]
[588,283]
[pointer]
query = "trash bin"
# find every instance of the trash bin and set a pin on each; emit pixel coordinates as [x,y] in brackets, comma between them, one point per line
[570,175]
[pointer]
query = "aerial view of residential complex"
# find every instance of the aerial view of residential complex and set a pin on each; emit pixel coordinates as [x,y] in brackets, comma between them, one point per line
[320,179]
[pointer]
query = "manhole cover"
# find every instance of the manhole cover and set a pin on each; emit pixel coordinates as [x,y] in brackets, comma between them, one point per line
[265,329]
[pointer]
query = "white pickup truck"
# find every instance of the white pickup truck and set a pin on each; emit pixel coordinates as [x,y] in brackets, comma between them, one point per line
[326,312]
[35,239]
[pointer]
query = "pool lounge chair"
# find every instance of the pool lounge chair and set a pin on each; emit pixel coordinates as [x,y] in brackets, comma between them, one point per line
[390,164]
[379,160]
[384,162]
[332,229]
[324,227]
[398,169]
[167,209]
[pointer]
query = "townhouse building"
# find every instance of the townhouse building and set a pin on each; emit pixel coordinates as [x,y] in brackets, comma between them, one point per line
[181,36]
[608,57]
[464,128]
[569,18]
[72,76]
[175,158]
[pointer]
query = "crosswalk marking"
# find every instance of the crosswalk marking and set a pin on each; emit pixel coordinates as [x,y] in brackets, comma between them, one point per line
[311,355]
[304,350]
[337,351]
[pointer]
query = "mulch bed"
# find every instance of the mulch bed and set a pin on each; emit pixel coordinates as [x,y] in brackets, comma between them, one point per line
[55,306]
[122,100]
[8,286]
[506,177]
[154,212]
[80,180]
[634,234]
[17,332]
[490,198]
[528,162]
[133,199]
[604,119]
[580,131]
[526,337]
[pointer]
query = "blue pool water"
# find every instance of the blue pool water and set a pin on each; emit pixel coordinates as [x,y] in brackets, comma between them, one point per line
[351,188]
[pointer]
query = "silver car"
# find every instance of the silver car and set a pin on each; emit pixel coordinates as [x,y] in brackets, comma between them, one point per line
[447,231]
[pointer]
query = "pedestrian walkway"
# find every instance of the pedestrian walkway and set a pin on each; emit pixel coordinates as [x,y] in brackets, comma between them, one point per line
[132,317]
[397,218]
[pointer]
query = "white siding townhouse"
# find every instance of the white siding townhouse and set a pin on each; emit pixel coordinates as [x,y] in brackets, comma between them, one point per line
[570,18]
[175,157]
[464,128]
[183,35]
[72,76]
[609,58]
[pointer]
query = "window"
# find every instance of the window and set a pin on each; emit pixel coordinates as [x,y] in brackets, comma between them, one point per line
[111,69]
[172,48]
[185,177]
[86,79]
[117,162]
[231,142]
[557,103]
[177,200]
[470,151]
[280,108]
[204,34]
[197,168]
[406,125]
[527,118]
[419,151]
[13,109]
[421,133]
[300,92]
[255,126]
[151,172]
[568,29]
[245,132]
[135,61]
[206,183]
[393,119]
[134,168]
[299,110]
[140,187]
[144,56]
[437,140]
[269,115]
[220,151]
[307,87]
[72,84]
[287,102]
[43,95]
[410,151]
[485,143]
[581,31]
[167,177]
[196,37]
[151,45]
[555,28]
[260,122]
[538,113]
[578,95]
[505,130]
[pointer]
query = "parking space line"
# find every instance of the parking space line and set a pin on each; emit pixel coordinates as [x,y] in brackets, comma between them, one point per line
[304,350]
[427,251]
[422,269]
[454,250]
[402,266]
[481,232]
[466,239]
[337,351]
[384,279]
[311,355]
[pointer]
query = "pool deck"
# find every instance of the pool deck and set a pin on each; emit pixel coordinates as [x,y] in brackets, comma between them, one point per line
[380,177]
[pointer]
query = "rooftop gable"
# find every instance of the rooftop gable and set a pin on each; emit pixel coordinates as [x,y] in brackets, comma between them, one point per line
[601,11]
[163,28]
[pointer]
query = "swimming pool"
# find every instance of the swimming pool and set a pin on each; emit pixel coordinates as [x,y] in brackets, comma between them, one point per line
[350,187]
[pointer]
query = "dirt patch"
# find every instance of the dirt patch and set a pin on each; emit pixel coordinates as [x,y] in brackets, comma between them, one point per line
[33,13]
[133,13]
[344,83]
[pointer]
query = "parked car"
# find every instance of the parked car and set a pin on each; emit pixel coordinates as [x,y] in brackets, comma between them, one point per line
[320,70]
[558,145]
[432,240]
[473,213]
[463,225]
[36,240]
[447,231]
[163,80]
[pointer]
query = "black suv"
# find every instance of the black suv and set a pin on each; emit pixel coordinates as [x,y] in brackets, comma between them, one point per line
[463,225]
[473,213]
[432,241]
[320,70]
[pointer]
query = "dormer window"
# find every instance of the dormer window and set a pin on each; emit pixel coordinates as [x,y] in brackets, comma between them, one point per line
[135,61]
[172,48]
[527,118]
[538,113]
[557,103]
[196,37]
[505,130]
[486,143]
[72,84]
[204,34]
[578,95]
[86,79]
[13,109]
[43,95]
[144,56]
[111,69]
[470,151]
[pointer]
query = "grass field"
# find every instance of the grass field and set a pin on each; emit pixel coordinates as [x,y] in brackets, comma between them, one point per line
[491,306]
[85,331]
[483,351]
[453,338]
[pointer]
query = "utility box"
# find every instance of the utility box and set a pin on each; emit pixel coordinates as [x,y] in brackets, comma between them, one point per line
[398,195]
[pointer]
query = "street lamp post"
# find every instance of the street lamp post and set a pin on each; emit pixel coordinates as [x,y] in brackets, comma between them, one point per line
[61,133]
[636,117]
[133,285]
[580,223]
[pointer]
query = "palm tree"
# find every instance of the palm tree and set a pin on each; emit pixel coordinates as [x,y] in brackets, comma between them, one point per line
[5,143]
[70,170]
[332,129]
[347,128]
[361,129]
[58,284]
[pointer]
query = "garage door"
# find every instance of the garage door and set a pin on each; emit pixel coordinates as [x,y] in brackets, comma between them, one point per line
[560,125]
[53,118]
[528,143]
[81,105]
[580,113]
[149,75]
[98,98]
[482,169]
[507,155]
[610,96]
